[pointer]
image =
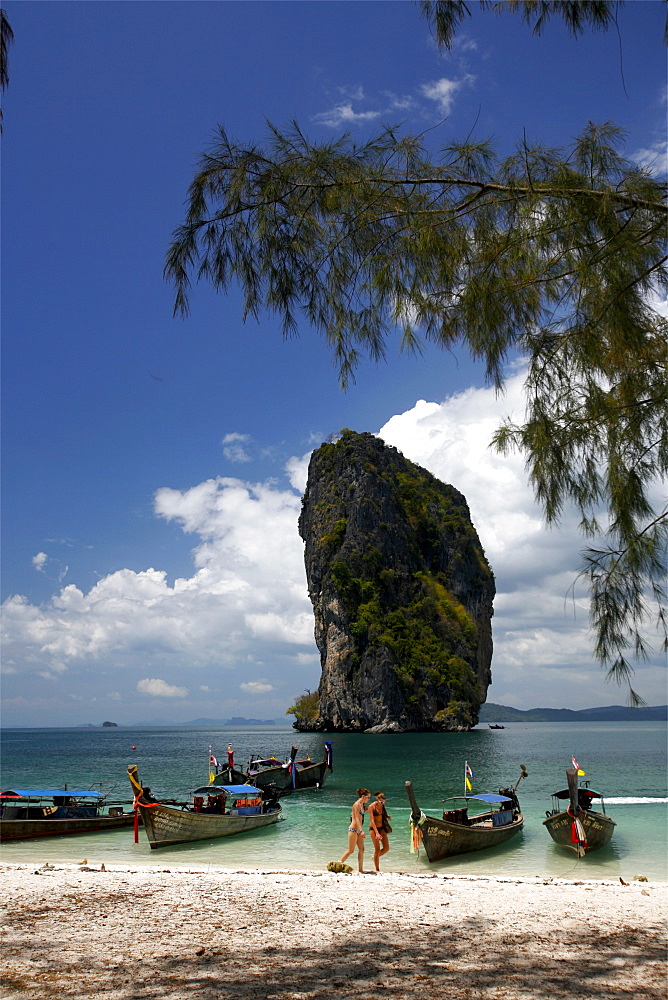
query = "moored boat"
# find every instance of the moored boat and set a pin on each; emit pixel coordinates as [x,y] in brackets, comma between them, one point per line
[578,826]
[228,810]
[28,813]
[459,831]
[290,775]
[227,774]
[312,774]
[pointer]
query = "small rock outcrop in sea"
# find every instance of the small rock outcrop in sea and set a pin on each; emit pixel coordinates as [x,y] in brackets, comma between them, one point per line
[402,594]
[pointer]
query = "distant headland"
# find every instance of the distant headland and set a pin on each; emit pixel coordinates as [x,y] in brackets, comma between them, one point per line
[612,713]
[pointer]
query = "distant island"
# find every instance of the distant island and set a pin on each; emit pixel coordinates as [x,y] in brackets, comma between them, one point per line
[612,713]
[237,720]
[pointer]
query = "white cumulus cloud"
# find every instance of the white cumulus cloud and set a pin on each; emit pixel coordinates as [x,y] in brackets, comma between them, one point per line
[245,606]
[344,114]
[653,158]
[160,689]
[257,687]
[443,91]
[233,447]
[541,636]
[245,601]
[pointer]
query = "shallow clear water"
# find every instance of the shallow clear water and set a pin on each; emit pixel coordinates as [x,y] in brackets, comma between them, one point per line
[626,761]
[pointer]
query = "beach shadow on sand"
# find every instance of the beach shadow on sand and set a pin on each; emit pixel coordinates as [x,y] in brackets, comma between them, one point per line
[472,958]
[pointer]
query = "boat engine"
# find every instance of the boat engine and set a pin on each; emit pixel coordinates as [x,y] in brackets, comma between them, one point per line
[510,794]
[270,796]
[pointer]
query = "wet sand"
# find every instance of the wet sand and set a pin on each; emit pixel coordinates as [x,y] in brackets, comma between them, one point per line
[148,933]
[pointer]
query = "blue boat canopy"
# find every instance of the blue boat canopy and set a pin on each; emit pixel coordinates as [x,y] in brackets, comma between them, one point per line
[490,798]
[248,791]
[49,793]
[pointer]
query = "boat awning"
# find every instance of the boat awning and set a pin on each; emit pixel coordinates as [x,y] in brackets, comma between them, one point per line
[490,798]
[48,793]
[248,791]
[564,793]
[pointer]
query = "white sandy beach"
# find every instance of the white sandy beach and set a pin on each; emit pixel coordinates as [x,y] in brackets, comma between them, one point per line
[150,932]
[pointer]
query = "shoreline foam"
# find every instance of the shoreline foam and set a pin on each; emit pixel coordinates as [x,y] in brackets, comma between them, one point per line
[129,933]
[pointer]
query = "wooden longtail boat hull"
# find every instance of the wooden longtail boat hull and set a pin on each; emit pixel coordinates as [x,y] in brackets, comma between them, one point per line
[30,829]
[309,776]
[165,825]
[230,776]
[597,827]
[279,777]
[442,839]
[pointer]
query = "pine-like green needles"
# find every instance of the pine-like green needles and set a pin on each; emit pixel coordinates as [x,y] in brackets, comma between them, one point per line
[552,254]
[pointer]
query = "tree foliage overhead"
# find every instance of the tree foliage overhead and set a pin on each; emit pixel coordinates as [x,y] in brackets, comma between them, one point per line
[6,39]
[446,15]
[550,253]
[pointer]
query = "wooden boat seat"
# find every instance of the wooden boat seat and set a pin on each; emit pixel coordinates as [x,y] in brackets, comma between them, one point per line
[459,816]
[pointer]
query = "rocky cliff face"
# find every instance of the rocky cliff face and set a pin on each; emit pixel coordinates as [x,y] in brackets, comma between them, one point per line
[401,590]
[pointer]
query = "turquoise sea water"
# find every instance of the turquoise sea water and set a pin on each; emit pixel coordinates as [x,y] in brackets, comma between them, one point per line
[626,761]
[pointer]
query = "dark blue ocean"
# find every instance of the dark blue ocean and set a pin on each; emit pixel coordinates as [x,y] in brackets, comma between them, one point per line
[626,761]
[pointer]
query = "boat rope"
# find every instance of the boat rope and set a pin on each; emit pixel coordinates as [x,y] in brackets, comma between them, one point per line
[146,805]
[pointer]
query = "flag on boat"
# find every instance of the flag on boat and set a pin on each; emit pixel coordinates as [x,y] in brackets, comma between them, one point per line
[577,767]
[213,761]
[468,774]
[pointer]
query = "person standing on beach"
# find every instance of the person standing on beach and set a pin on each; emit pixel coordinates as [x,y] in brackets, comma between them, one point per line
[379,826]
[355,831]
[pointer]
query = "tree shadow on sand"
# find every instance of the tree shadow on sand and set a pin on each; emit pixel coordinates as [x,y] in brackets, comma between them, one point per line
[469,959]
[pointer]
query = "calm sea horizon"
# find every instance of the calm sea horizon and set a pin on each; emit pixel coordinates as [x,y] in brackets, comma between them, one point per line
[627,761]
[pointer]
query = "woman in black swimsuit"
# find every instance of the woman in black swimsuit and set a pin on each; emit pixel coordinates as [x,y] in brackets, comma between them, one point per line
[380,827]
[355,831]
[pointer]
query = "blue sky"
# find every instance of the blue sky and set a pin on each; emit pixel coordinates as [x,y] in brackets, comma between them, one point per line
[153,466]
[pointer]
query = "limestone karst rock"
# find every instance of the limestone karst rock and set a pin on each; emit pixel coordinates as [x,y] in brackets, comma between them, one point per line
[402,594]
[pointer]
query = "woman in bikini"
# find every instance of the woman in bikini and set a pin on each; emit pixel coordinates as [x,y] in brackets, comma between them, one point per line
[380,827]
[355,831]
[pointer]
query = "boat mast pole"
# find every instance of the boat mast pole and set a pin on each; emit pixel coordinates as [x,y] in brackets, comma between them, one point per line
[466,771]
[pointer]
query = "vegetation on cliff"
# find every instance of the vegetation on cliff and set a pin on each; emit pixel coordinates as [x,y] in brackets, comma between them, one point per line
[305,708]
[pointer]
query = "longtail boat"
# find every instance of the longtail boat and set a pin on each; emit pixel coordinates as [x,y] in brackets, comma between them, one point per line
[225,774]
[290,775]
[28,813]
[578,827]
[166,825]
[458,831]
